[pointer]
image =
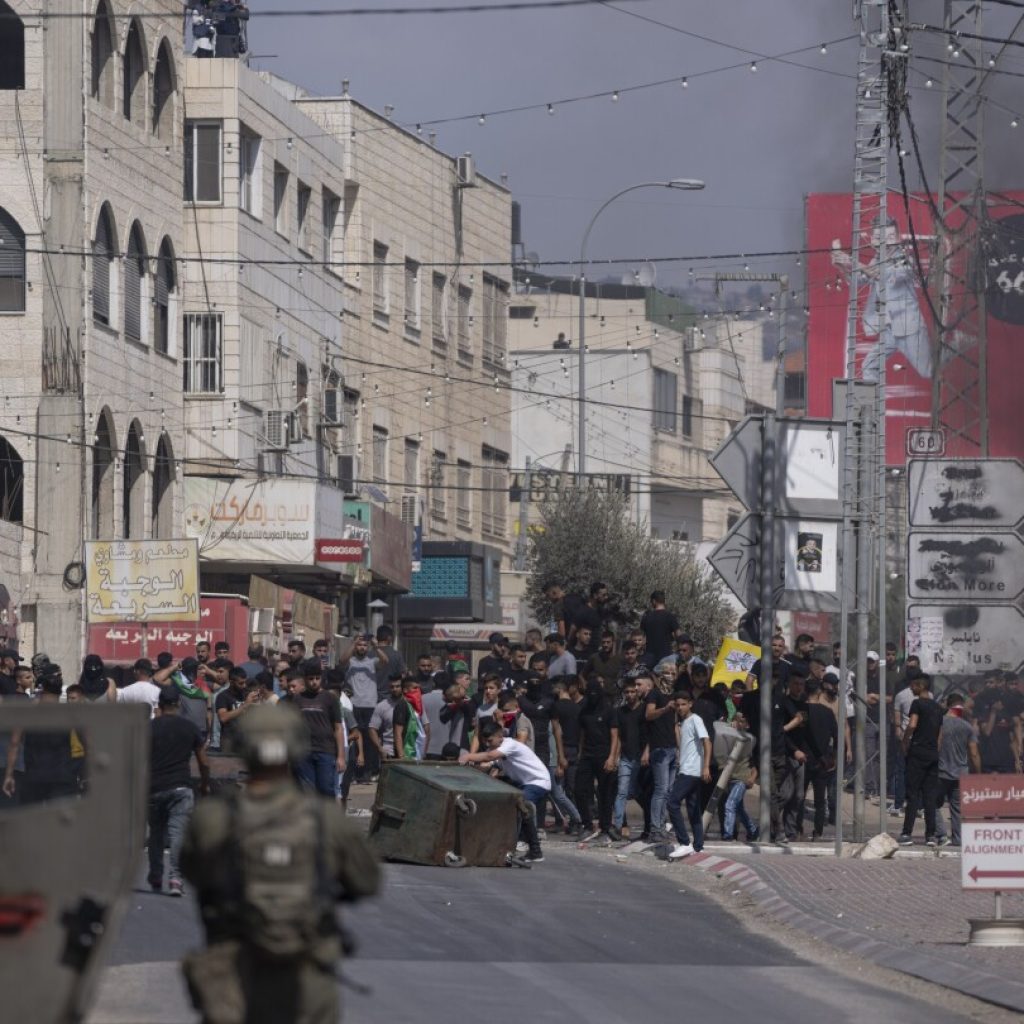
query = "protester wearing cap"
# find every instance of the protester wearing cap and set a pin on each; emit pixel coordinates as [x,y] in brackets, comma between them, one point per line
[9,661]
[560,661]
[94,681]
[143,690]
[39,663]
[174,741]
[498,661]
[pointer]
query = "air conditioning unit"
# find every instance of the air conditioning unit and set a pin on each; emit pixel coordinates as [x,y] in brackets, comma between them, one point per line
[348,474]
[410,509]
[333,409]
[276,430]
[465,171]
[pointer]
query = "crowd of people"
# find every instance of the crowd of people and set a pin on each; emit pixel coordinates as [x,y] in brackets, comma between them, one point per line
[610,734]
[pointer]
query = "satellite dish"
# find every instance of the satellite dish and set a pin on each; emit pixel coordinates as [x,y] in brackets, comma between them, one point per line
[648,275]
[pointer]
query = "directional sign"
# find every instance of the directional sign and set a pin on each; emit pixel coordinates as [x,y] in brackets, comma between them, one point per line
[975,493]
[738,461]
[955,564]
[965,638]
[737,559]
[992,855]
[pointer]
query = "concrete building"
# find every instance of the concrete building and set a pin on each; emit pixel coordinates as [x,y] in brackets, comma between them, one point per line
[91,231]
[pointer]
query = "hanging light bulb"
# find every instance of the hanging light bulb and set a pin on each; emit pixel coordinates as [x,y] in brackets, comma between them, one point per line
[482,119]
[928,83]
[824,48]
[991,60]
[1014,123]
[753,66]
[684,84]
[551,110]
[615,96]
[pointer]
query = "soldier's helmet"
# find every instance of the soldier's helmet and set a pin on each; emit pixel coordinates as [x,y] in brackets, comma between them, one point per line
[270,735]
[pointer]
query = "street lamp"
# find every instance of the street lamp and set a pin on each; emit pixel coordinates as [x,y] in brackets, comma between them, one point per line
[685,184]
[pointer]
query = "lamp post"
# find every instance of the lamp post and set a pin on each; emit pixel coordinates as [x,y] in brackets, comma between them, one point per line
[685,184]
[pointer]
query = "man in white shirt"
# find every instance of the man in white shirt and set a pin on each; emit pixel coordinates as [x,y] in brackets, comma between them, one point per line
[143,690]
[694,768]
[523,768]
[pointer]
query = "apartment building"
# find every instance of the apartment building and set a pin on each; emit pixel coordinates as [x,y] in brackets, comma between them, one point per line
[91,429]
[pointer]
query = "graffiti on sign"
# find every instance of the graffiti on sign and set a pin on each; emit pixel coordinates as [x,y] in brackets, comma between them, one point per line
[983,566]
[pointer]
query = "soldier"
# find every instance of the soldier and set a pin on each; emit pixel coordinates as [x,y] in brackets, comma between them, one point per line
[268,866]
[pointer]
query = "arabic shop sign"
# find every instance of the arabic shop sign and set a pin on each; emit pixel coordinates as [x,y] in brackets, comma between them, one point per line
[249,520]
[142,581]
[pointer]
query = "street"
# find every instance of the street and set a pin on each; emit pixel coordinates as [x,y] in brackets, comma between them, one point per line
[574,939]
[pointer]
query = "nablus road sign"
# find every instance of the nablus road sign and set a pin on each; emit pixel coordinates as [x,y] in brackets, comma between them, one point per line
[965,639]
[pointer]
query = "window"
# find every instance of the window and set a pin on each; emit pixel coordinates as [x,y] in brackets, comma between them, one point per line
[133,494]
[12,483]
[202,161]
[794,386]
[304,229]
[280,199]
[380,280]
[411,465]
[438,325]
[438,509]
[495,323]
[104,249]
[134,284]
[163,492]
[412,299]
[463,495]
[380,455]
[331,248]
[465,345]
[692,418]
[163,94]
[250,166]
[12,264]
[302,398]
[12,49]
[133,76]
[493,494]
[202,351]
[665,401]
[101,45]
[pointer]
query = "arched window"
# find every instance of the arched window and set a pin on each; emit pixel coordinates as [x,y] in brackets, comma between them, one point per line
[163,93]
[102,47]
[133,78]
[12,49]
[12,264]
[12,483]
[163,491]
[165,301]
[103,478]
[134,284]
[104,249]
[134,496]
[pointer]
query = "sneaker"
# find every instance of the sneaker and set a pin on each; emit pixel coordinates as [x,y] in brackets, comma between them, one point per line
[541,834]
[156,884]
[782,841]
[522,848]
[681,851]
[752,837]
[614,834]
[944,841]
[535,857]
[175,888]
[905,840]
[930,841]
[590,835]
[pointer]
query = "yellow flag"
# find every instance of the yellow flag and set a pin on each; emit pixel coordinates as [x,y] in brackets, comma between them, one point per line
[735,659]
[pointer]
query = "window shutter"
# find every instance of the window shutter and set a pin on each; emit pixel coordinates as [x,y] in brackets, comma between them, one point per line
[12,265]
[101,273]
[133,291]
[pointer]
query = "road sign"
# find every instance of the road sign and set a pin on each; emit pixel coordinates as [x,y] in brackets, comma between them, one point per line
[954,564]
[992,855]
[737,559]
[992,796]
[738,461]
[976,493]
[965,638]
[926,442]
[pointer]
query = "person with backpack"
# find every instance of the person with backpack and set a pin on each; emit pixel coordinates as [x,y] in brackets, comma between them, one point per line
[269,864]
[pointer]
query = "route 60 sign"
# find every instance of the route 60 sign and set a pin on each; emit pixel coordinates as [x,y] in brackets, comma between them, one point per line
[926,442]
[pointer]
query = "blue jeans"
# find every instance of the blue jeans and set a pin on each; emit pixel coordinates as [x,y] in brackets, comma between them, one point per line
[318,772]
[734,809]
[629,776]
[562,802]
[663,768]
[169,811]
[686,789]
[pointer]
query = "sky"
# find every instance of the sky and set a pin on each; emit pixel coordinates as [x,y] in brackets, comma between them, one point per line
[761,140]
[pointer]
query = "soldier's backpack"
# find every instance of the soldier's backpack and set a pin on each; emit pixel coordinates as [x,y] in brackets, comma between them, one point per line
[284,897]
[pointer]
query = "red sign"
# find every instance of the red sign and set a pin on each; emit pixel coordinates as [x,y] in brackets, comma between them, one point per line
[343,550]
[991,796]
[220,618]
[908,330]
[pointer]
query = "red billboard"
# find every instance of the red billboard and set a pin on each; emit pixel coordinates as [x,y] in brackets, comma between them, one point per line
[906,336]
[341,550]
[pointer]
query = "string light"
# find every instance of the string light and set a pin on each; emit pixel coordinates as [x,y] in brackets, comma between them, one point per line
[824,48]
[685,84]
[1014,123]
[615,96]
[482,119]
[551,110]
[753,66]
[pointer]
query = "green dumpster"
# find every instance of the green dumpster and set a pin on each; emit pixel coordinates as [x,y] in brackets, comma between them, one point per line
[443,814]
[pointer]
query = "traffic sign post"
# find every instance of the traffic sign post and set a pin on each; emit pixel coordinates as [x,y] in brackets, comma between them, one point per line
[992,851]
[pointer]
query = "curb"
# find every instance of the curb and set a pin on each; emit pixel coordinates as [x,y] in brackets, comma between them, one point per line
[969,980]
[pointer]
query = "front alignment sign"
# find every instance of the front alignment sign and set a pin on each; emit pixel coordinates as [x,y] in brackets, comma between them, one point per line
[992,855]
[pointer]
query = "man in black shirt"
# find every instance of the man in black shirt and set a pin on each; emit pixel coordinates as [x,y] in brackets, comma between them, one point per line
[321,711]
[822,736]
[921,745]
[660,718]
[497,661]
[518,674]
[583,646]
[174,741]
[789,755]
[606,664]
[565,724]
[660,627]
[425,673]
[591,613]
[628,742]
[595,762]
[9,660]
[232,702]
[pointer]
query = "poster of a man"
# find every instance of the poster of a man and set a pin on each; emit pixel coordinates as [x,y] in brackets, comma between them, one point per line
[902,327]
[809,552]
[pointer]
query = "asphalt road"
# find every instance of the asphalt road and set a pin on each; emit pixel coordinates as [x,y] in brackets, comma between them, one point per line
[572,940]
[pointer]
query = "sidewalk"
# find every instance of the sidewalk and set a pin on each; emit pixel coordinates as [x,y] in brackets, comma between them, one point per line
[907,915]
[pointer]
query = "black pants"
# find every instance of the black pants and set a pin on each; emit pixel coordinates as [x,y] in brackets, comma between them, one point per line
[922,790]
[816,779]
[370,753]
[589,770]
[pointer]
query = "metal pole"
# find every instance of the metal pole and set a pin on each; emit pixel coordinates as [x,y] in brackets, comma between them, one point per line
[881,539]
[780,371]
[581,355]
[767,618]
[864,565]
[524,517]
